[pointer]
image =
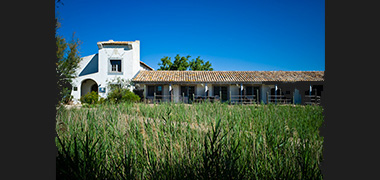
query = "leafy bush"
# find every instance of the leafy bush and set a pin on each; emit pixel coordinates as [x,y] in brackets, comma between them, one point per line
[90,98]
[118,95]
[119,91]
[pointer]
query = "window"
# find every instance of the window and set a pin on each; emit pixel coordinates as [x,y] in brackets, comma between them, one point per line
[115,65]
[155,89]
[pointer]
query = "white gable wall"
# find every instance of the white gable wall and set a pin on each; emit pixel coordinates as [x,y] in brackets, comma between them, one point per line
[200,90]
[130,62]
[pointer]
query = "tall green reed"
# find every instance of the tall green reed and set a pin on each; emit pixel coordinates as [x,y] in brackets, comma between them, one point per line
[198,141]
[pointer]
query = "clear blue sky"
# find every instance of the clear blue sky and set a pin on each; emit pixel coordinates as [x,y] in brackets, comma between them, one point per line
[233,35]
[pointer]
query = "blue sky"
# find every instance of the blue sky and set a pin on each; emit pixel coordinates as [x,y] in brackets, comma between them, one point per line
[232,35]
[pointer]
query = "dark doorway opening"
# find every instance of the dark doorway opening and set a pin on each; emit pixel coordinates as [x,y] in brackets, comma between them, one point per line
[187,92]
[94,88]
[155,89]
[88,86]
[253,90]
[221,90]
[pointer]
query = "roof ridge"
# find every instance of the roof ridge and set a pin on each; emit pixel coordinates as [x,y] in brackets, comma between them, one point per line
[228,76]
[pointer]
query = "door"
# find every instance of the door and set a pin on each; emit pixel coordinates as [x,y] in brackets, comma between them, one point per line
[155,89]
[151,91]
[223,90]
[253,90]
[191,90]
[94,88]
[187,92]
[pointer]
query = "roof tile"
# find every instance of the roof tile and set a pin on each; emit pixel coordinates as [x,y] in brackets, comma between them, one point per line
[228,76]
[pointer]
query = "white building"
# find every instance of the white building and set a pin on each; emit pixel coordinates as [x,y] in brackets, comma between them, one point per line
[122,59]
[114,59]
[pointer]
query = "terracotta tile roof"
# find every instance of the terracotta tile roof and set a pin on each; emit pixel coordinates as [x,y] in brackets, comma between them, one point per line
[111,42]
[227,76]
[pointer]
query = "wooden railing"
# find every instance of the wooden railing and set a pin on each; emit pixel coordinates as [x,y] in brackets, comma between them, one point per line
[279,99]
[199,98]
[243,99]
[180,98]
[312,99]
[157,98]
[233,99]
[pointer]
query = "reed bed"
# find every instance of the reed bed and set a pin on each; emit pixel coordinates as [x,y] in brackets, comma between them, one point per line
[198,141]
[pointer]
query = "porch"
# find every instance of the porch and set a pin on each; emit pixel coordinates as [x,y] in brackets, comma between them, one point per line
[230,93]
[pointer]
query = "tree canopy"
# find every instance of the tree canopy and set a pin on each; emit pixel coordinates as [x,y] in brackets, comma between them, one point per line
[183,64]
[66,64]
[199,65]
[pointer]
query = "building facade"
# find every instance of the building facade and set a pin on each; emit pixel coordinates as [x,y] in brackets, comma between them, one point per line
[246,87]
[122,59]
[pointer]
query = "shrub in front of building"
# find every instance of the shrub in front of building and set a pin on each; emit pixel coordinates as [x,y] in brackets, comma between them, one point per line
[90,98]
[119,95]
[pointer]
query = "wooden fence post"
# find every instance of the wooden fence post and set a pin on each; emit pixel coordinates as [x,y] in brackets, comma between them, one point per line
[171,96]
[154,97]
[230,96]
[220,95]
[257,96]
[315,96]
[293,98]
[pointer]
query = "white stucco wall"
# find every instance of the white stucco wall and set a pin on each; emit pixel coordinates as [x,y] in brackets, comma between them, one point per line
[165,90]
[210,89]
[176,92]
[263,90]
[143,68]
[200,90]
[235,90]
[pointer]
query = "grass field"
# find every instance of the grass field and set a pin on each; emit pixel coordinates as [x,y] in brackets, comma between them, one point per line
[180,141]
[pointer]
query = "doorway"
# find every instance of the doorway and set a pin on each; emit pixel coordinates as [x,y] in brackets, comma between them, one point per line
[187,92]
[221,90]
[88,86]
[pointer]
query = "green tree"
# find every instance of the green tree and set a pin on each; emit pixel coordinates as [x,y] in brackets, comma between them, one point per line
[165,64]
[199,65]
[67,63]
[180,63]
[183,64]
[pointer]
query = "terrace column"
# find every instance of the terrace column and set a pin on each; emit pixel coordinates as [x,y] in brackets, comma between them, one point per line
[310,90]
[241,93]
[170,92]
[275,94]
[145,92]
[206,90]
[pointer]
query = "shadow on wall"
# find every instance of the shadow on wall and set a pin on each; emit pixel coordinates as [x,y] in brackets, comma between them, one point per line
[92,66]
